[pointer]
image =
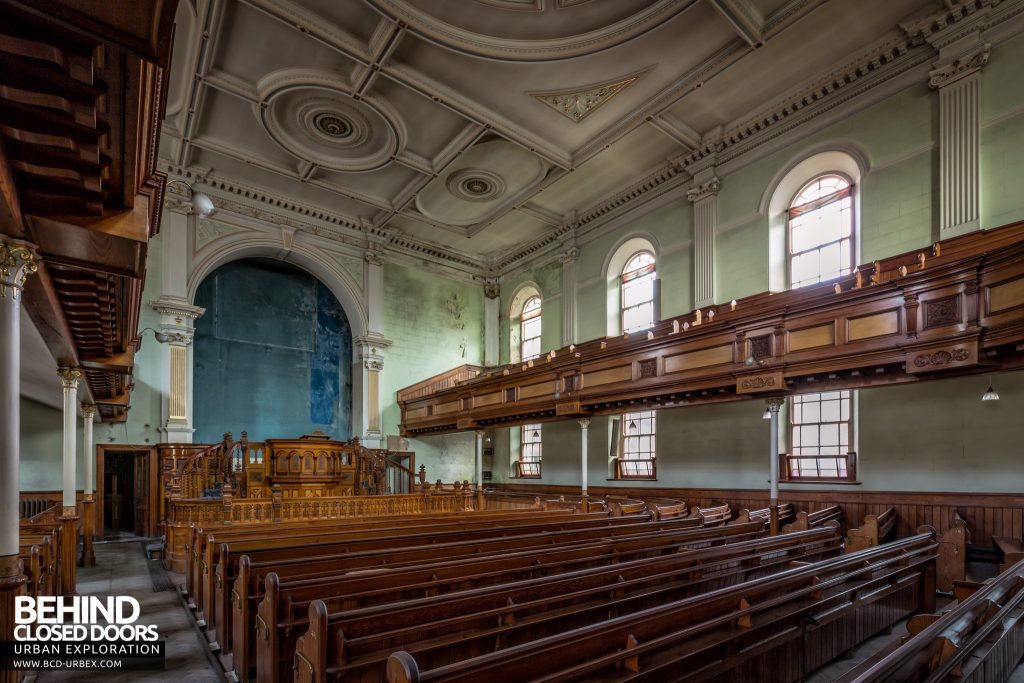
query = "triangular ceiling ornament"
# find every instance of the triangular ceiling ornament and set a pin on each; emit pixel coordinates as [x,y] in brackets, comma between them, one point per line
[577,104]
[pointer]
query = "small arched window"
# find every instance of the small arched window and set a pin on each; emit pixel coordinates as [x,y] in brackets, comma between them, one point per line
[637,286]
[529,329]
[820,230]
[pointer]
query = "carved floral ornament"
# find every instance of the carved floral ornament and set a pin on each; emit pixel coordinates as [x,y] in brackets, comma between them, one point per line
[17,262]
[69,377]
[943,357]
[579,103]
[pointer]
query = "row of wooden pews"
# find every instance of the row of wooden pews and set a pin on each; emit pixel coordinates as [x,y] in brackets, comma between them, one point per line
[980,638]
[777,623]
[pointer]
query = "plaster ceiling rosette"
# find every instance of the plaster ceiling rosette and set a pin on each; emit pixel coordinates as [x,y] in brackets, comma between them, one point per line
[313,115]
[531,31]
[479,183]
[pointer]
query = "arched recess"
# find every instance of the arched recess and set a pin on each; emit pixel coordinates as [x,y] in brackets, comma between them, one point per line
[523,293]
[250,245]
[613,265]
[271,354]
[843,158]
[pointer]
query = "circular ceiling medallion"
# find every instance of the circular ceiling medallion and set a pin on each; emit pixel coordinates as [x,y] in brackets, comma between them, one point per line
[333,125]
[475,185]
[534,30]
[312,116]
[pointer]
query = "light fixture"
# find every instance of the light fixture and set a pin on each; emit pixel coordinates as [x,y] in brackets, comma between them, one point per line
[159,336]
[201,203]
[536,433]
[632,425]
[767,414]
[991,394]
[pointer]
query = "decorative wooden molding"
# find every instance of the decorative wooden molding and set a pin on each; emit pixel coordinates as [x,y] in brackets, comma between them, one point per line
[810,339]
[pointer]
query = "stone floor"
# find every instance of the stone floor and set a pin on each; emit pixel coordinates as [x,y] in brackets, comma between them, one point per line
[121,570]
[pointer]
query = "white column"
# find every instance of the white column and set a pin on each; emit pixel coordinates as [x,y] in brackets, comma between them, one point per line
[480,459]
[568,260]
[773,447]
[88,415]
[69,378]
[584,426]
[957,77]
[492,322]
[704,196]
[177,317]
[17,261]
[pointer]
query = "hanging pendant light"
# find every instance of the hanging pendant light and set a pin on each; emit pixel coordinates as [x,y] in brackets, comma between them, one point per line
[632,425]
[767,414]
[990,394]
[536,433]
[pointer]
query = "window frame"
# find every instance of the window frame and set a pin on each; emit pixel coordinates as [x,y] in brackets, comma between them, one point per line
[627,276]
[524,318]
[530,468]
[795,211]
[623,461]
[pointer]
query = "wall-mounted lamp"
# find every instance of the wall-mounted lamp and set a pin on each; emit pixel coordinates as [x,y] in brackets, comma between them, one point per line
[159,336]
[767,414]
[990,394]
[755,361]
[201,203]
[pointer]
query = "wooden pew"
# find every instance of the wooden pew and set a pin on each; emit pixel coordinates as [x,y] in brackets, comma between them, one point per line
[764,514]
[776,628]
[202,555]
[715,514]
[875,531]
[473,621]
[815,519]
[1012,550]
[667,508]
[344,551]
[284,595]
[626,506]
[980,639]
[952,563]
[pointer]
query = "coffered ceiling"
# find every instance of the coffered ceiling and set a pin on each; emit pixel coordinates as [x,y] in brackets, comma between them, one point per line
[481,132]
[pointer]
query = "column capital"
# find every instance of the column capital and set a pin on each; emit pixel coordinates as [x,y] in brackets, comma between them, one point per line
[180,310]
[69,377]
[492,290]
[569,255]
[583,422]
[774,403]
[17,261]
[373,257]
[88,411]
[704,190]
[968,63]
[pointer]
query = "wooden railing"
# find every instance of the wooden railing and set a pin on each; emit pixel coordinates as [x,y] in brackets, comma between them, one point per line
[205,474]
[446,380]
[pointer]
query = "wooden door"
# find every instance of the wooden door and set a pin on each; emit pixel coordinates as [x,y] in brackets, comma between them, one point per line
[141,499]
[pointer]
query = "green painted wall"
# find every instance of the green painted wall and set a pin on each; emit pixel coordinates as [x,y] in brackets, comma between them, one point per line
[548,279]
[434,324]
[42,442]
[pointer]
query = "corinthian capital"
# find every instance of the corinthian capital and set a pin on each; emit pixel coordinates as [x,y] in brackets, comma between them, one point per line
[17,262]
[69,377]
[703,191]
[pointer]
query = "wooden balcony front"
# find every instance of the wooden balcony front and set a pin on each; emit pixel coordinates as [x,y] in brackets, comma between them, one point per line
[951,309]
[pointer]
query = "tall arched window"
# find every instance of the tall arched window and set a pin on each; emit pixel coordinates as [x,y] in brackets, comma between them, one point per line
[638,276]
[821,247]
[529,329]
[821,239]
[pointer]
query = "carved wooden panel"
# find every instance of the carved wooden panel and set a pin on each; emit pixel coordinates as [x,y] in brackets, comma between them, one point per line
[761,346]
[940,312]
[942,358]
[648,368]
[770,381]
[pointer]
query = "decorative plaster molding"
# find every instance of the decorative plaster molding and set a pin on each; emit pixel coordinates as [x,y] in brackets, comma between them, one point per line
[181,310]
[569,255]
[210,230]
[703,191]
[578,103]
[492,290]
[959,68]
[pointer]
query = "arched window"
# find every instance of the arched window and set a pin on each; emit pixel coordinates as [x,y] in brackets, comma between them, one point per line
[820,230]
[529,329]
[637,288]
[821,237]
